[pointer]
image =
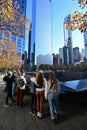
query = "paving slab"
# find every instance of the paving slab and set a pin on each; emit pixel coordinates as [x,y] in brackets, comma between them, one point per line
[73,116]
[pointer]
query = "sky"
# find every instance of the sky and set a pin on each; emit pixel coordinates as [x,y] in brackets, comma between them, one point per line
[60,9]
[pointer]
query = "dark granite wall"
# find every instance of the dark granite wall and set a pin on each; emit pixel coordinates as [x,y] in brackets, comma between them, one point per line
[68,75]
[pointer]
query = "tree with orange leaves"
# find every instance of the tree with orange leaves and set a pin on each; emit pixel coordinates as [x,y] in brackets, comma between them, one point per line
[79,20]
[12,19]
[10,58]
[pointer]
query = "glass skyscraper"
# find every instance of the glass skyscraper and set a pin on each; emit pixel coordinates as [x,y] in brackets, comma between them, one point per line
[40,42]
[68,39]
[18,40]
[85,43]
[31,41]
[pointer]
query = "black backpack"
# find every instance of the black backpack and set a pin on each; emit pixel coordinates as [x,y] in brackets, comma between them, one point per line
[21,82]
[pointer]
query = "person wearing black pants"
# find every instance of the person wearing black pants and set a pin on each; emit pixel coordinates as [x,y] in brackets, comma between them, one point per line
[33,103]
[33,95]
[9,81]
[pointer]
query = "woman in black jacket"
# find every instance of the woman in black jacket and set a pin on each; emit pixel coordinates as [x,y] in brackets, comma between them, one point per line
[9,81]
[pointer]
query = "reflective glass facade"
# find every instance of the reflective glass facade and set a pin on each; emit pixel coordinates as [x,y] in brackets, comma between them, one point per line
[33,32]
[85,42]
[66,55]
[40,36]
[19,41]
[31,42]
[68,39]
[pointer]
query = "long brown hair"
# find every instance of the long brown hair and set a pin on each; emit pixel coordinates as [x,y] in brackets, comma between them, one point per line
[40,79]
[53,79]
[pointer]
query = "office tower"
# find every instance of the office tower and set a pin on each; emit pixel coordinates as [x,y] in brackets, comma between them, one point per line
[61,55]
[85,43]
[56,59]
[4,41]
[82,54]
[68,39]
[30,8]
[29,46]
[18,40]
[76,54]
[32,32]
[41,30]
[66,55]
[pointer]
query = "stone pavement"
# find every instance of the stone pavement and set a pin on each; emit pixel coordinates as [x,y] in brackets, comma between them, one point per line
[73,116]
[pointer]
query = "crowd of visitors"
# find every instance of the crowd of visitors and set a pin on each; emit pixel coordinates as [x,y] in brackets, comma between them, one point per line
[15,85]
[40,89]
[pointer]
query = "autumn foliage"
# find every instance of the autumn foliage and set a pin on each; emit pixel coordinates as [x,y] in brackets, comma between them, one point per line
[12,19]
[79,20]
[10,58]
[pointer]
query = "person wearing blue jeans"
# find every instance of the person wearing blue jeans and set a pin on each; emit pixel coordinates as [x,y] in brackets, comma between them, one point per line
[52,94]
[53,103]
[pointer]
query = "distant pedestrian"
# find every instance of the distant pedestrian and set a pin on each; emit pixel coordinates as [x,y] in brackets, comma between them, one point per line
[52,94]
[9,81]
[33,94]
[21,84]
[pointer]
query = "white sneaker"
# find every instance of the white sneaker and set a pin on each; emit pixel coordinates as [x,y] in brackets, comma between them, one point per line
[6,105]
[38,114]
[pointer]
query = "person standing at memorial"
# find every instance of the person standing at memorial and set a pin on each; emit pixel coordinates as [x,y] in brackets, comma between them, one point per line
[33,109]
[40,87]
[9,81]
[21,84]
[52,94]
